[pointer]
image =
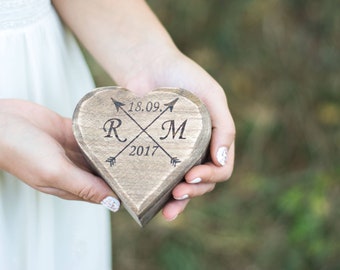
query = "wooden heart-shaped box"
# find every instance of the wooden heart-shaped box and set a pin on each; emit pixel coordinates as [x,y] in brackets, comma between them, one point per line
[142,146]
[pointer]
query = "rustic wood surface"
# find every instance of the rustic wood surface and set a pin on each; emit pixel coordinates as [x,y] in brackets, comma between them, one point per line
[142,146]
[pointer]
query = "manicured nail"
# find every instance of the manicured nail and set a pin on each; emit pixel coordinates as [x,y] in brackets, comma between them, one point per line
[222,155]
[173,218]
[111,203]
[181,198]
[195,181]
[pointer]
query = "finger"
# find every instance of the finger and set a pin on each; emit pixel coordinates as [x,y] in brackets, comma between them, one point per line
[68,140]
[222,137]
[59,193]
[223,127]
[109,202]
[173,208]
[210,173]
[88,187]
[184,190]
[71,146]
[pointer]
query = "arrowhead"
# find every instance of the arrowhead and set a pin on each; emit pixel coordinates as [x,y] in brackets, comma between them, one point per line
[174,161]
[117,104]
[171,104]
[111,160]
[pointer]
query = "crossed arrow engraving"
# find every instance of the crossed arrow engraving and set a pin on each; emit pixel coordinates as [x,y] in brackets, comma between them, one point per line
[169,107]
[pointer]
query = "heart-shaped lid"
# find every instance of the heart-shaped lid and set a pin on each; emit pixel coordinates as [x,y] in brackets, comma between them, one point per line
[142,146]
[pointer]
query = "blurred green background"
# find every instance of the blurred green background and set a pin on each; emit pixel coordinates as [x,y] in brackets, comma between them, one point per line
[279,63]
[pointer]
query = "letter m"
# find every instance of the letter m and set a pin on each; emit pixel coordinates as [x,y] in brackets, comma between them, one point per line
[170,126]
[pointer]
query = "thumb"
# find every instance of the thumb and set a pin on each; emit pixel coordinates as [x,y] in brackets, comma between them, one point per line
[223,129]
[222,138]
[91,188]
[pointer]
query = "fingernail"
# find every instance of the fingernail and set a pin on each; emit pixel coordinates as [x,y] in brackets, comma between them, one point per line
[222,155]
[195,181]
[111,203]
[173,218]
[183,197]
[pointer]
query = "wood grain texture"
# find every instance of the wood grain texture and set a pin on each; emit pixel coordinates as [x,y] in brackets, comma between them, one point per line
[142,146]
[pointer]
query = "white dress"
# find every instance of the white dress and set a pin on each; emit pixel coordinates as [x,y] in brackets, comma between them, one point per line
[41,62]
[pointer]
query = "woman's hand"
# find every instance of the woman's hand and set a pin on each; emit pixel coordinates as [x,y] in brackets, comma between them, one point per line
[173,69]
[38,146]
[135,49]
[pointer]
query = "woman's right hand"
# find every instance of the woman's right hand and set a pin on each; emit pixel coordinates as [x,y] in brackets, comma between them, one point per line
[38,147]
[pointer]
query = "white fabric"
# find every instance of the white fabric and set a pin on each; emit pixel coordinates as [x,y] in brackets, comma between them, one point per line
[40,61]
